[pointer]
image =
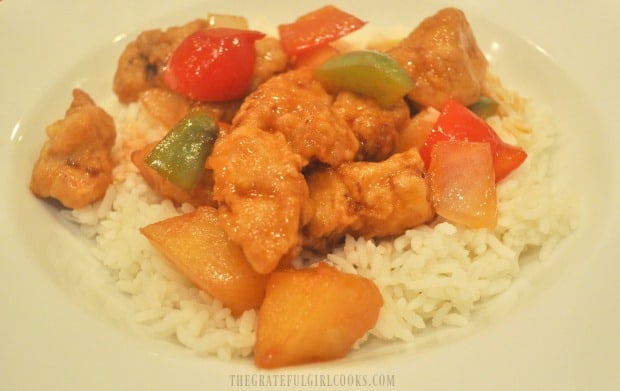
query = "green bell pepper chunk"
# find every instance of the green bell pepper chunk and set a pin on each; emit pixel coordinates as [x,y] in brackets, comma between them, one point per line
[366,72]
[485,107]
[181,155]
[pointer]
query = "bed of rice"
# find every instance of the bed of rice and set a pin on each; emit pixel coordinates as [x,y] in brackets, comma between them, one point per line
[432,277]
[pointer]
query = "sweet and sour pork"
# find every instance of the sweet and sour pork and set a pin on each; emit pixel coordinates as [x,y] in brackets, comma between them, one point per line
[443,59]
[298,165]
[75,163]
[371,199]
[297,106]
[261,194]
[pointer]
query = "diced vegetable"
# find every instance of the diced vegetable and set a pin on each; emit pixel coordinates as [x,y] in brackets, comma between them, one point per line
[201,194]
[214,64]
[165,105]
[418,128]
[485,107]
[456,122]
[317,28]
[366,72]
[196,245]
[313,314]
[462,182]
[181,155]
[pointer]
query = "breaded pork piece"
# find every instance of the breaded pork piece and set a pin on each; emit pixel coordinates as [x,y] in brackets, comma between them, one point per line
[75,163]
[261,193]
[443,59]
[376,128]
[371,199]
[297,106]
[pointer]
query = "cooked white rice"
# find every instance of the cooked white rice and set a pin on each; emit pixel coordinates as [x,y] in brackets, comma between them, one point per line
[432,277]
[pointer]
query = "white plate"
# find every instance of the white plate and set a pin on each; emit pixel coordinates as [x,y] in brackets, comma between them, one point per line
[562,335]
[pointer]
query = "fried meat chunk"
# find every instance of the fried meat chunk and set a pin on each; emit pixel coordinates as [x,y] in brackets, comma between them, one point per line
[370,199]
[297,106]
[376,128]
[261,194]
[444,60]
[75,163]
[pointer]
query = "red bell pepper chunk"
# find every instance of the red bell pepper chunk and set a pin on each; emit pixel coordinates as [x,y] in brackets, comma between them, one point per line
[316,29]
[215,64]
[457,123]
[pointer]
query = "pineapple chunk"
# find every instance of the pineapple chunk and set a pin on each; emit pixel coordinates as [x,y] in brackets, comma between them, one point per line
[315,314]
[196,245]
